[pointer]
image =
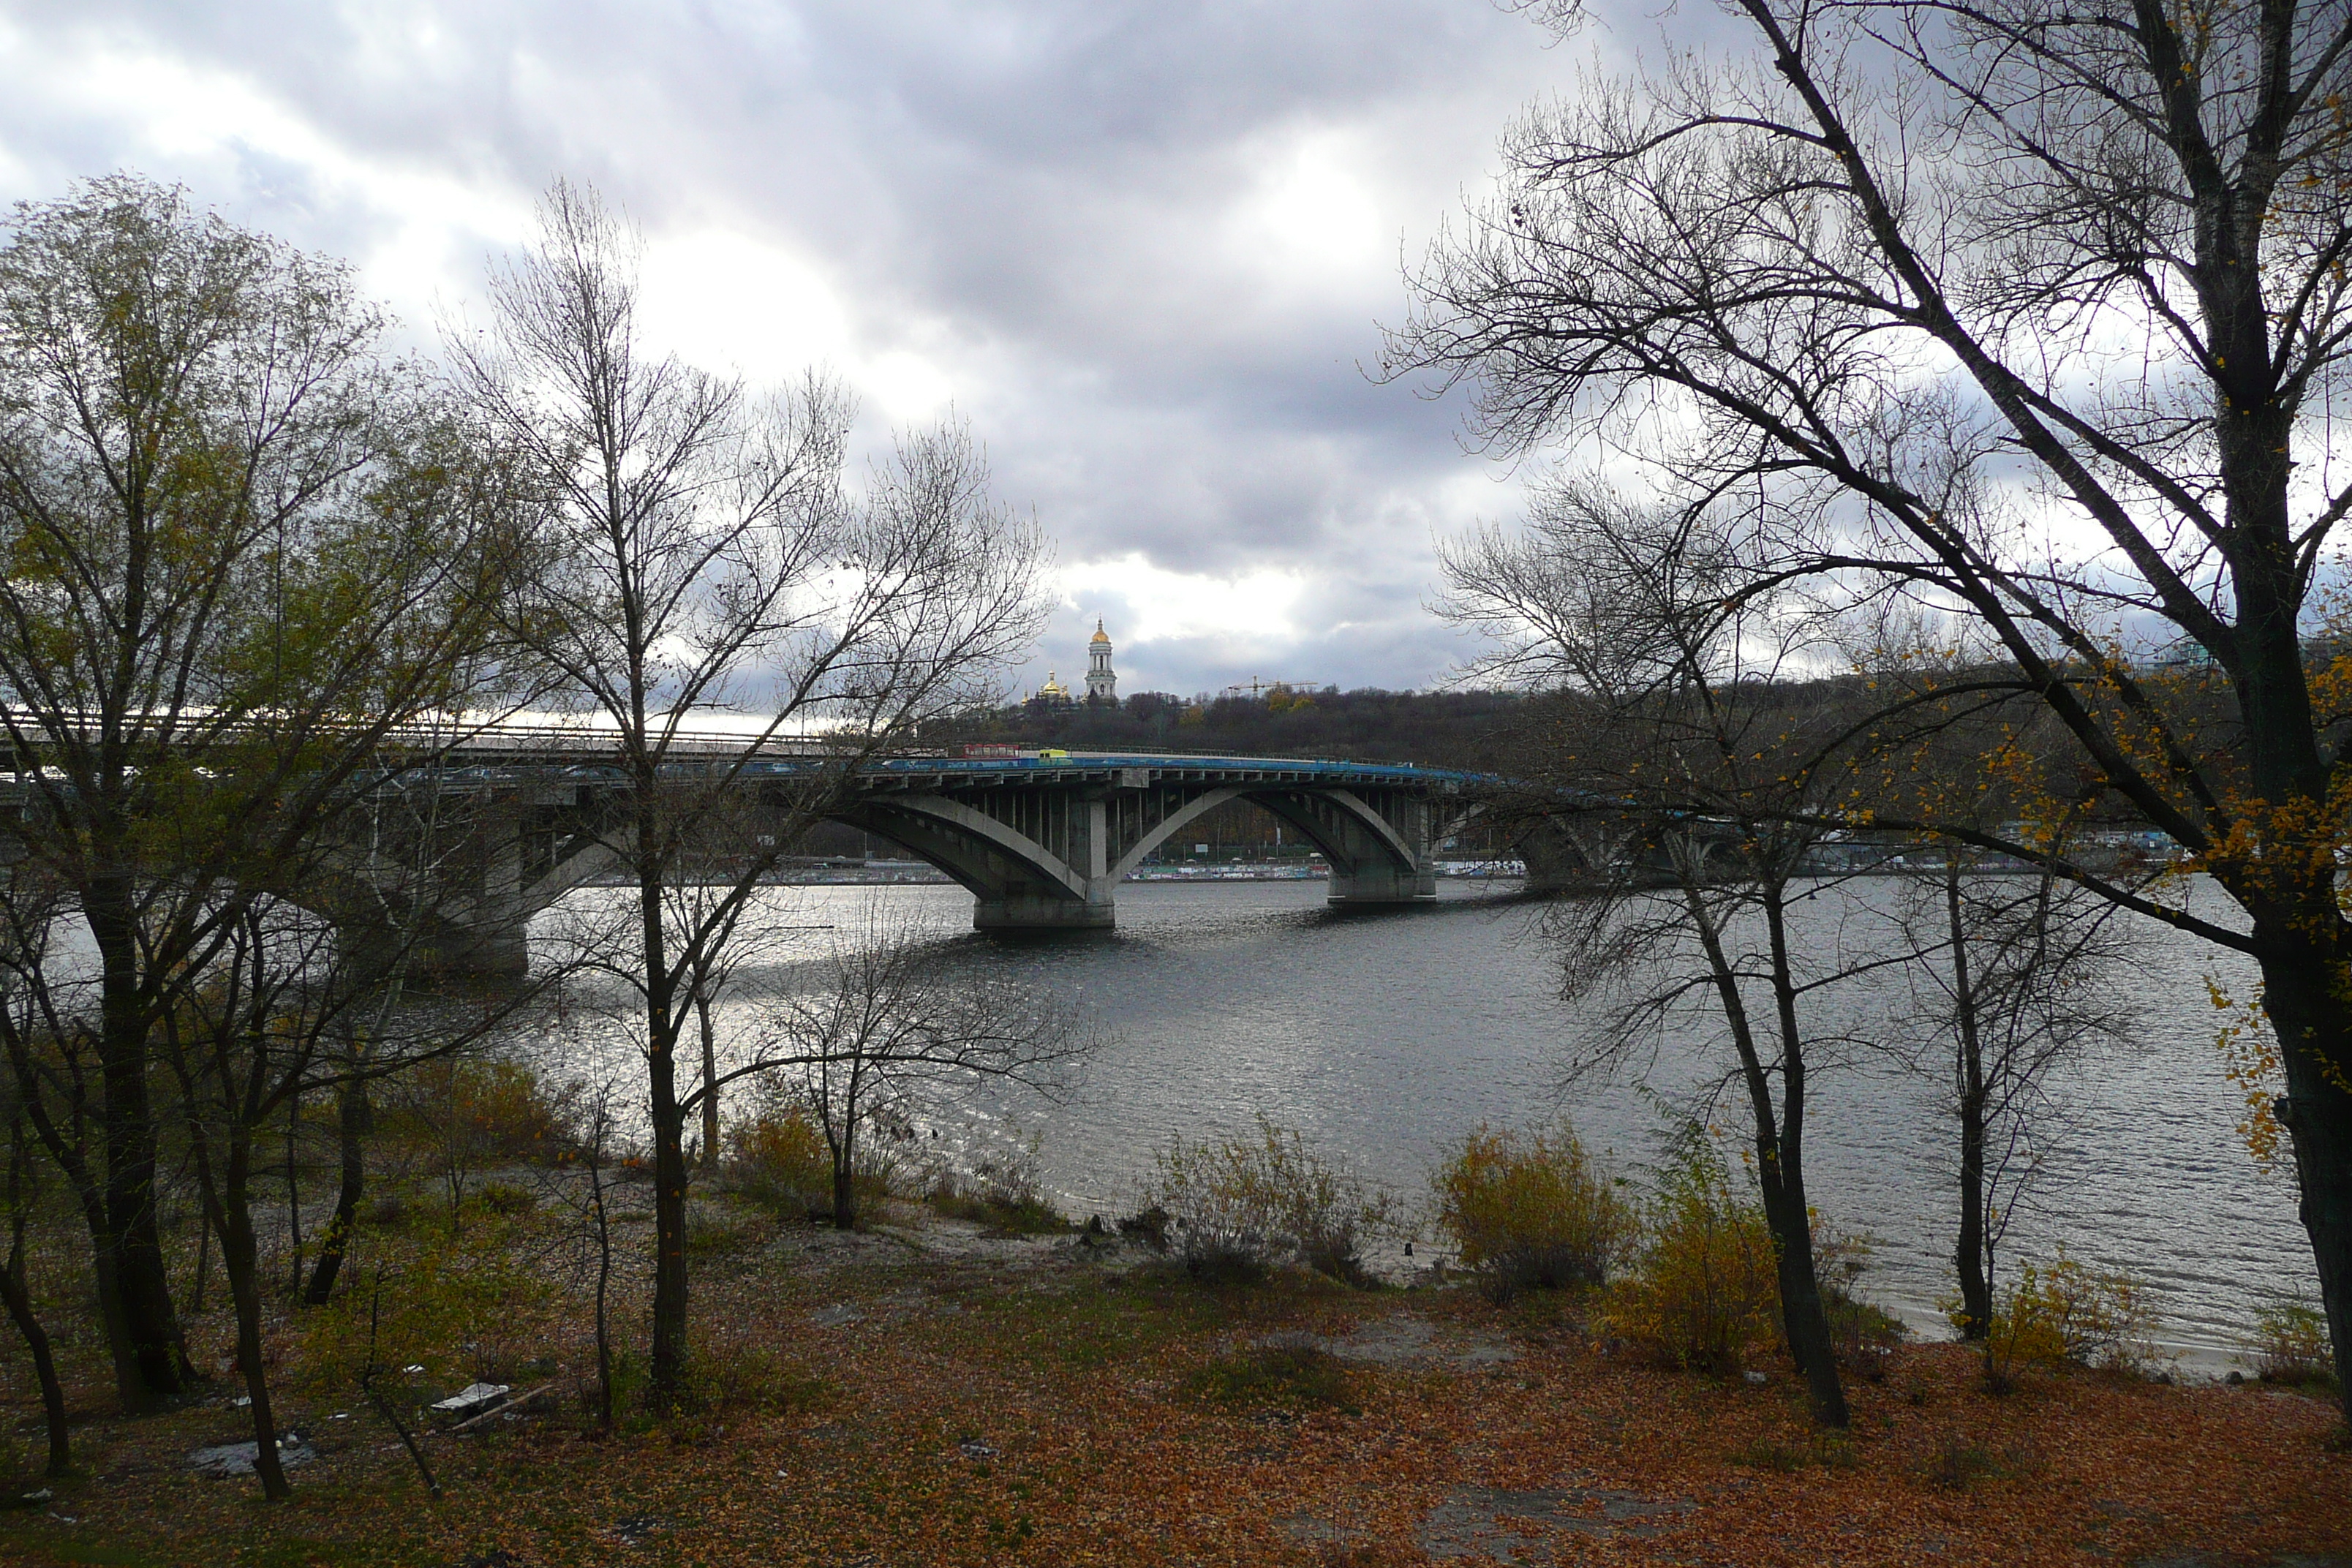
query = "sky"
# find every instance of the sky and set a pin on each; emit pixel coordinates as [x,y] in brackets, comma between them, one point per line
[1143,248]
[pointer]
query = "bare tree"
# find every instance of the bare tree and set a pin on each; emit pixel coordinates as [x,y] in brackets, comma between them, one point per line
[889,1018]
[2018,982]
[2036,315]
[581,1181]
[1653,620]
[699,555]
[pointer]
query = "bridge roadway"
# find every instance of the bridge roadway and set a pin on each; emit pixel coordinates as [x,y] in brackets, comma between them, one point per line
[1040,840]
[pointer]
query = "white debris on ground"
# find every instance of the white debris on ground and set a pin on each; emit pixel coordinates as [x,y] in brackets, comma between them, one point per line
[471,1400]
[228,1459]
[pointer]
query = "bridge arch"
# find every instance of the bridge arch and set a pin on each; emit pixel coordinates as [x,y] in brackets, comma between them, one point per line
[1019,881]
[1173,823]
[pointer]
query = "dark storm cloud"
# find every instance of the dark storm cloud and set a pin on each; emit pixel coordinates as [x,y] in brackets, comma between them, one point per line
[1142,245]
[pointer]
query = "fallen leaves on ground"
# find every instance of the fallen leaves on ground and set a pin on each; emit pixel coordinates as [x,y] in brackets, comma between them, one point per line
[952,1411]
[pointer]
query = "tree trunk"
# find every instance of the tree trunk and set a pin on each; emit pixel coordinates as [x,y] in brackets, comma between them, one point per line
[1968,1252]
[241,1261]
[1780,1170]
[2316,1112]
[106,1278]
[1805,1316]
[151,1346]
[668,1361]
[669,1369]
[1976,1280]
[293,1194]
[354,1116]
[603,1285]
[203,1266]
[18,1292]
[710,1081]
[844,1194]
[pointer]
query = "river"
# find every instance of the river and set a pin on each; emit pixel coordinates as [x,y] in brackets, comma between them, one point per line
[1384,1037]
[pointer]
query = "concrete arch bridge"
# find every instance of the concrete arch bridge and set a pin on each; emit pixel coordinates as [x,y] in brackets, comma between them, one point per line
[1041,841]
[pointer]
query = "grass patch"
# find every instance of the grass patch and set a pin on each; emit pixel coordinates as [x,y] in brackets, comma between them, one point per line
[714,1230]
[1277,1376]
[1958,1464]
[1094,1322]
[1030,1215]
[1825,1450]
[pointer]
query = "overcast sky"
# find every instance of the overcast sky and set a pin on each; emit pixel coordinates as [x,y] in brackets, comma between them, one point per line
[1142,245]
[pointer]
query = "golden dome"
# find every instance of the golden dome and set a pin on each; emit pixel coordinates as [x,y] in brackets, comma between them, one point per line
[1100,635]
[1053,687]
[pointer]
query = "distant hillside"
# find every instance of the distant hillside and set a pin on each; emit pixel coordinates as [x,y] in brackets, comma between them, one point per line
[1445,729]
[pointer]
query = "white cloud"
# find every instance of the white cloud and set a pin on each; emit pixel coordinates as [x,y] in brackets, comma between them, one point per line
[1141,248]
[724,301]
[1314,215]
[1252,611]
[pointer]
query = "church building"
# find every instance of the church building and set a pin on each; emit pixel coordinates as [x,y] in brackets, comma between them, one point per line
[1102,683]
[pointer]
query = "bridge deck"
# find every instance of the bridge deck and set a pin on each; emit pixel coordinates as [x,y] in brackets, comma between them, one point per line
[573,759]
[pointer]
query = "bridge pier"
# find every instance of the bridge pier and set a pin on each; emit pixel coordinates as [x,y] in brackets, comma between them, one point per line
[1376,886]
[1554,860]
[1014,898]
[1041,913]
[474,954]
[1375,840]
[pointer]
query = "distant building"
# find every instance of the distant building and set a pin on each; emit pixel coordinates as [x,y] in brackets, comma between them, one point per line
[1053,694]
[1102,683]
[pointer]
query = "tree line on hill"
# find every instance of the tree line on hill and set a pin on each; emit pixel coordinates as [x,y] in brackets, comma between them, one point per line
[1472,730]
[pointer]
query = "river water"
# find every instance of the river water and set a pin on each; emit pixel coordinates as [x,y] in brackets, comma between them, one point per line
[1384,1037]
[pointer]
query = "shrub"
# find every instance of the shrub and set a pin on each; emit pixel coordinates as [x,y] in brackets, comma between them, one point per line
[2290,1345]
[1958,1464]
[1239,1206]
[875,1173]
[1705,1285]
[1148,1227]
[1830,1450]
[472,1116]
[733,1371]
[486,1113]
[778,1159]
[389,1211]
[712,1231]
[1529,1210]
[2065,1314]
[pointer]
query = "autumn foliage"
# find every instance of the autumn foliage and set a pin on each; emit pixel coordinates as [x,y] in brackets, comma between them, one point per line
[1702,1293]
[1530,1209]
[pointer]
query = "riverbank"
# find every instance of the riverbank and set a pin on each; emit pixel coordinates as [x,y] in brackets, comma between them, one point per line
[928,1393]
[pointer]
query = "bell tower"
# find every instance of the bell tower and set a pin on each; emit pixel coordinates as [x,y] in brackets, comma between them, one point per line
[1102,683]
